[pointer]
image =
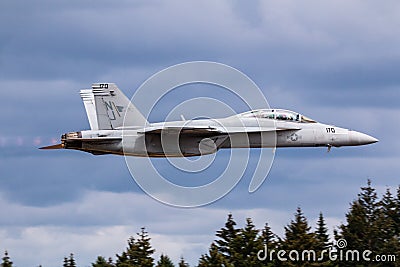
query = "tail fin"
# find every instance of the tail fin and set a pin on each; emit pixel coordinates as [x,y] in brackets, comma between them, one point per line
[88,100]
[106,107]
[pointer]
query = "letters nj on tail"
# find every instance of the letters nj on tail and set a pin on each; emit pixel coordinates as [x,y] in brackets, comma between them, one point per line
[106,107]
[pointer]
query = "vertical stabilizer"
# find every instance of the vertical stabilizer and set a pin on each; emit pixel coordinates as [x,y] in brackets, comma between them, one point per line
[88,100]
[106,107]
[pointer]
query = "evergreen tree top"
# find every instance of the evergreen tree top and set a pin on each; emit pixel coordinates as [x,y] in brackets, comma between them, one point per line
[164,261]
[267,236]
[183,263]
[299,225]
[71,260]
[101,262]
[321,233]
[229,227]
[6,260]
[138,253]
[298,235]
[226,236]
[368,198]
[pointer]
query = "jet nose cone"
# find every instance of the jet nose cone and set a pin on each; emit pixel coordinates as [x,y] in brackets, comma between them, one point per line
[362,139]
[372,140]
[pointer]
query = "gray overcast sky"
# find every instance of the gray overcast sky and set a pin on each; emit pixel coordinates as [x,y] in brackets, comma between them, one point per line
[335,61]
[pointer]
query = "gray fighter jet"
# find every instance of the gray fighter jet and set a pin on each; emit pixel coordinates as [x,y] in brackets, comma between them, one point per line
[117,127]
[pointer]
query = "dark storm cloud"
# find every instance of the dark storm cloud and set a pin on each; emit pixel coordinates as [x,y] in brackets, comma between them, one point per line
[35,179]
[75,41]
[319,64]
[303,50]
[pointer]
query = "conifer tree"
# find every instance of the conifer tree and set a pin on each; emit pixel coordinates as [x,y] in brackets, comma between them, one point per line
[227,237]
[138,253]
[248,245]
[372,225]
[145,249]
[270,241]
[101,262]
[388,239]
[164,261]
[268,237]
[361,231]
[321,233]
[214,258]
[6,260]
[397,212]
[122,260]
[71,260]
[183,263]
[388,214]
[299,238]
[396,219]
[322,242]
[235,247]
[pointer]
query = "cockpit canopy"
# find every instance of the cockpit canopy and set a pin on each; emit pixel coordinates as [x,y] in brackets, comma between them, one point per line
[277,114]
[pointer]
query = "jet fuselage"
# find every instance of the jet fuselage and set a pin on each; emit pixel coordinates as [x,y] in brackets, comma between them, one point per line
[247,134]
[118,127]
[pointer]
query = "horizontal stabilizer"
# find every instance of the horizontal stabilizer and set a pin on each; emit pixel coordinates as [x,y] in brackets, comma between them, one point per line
[58,146]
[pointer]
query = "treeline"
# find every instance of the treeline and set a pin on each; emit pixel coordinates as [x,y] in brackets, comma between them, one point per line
[369,237]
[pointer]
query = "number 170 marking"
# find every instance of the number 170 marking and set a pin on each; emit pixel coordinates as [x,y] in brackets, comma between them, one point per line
[330,130]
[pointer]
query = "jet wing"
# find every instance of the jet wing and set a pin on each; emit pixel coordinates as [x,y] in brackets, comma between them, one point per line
[211,131]
[206,131]
[212,137]
[255,129]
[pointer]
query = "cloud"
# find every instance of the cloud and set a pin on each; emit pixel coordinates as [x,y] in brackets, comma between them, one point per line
[39,178]
[100,223]
[339,43]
